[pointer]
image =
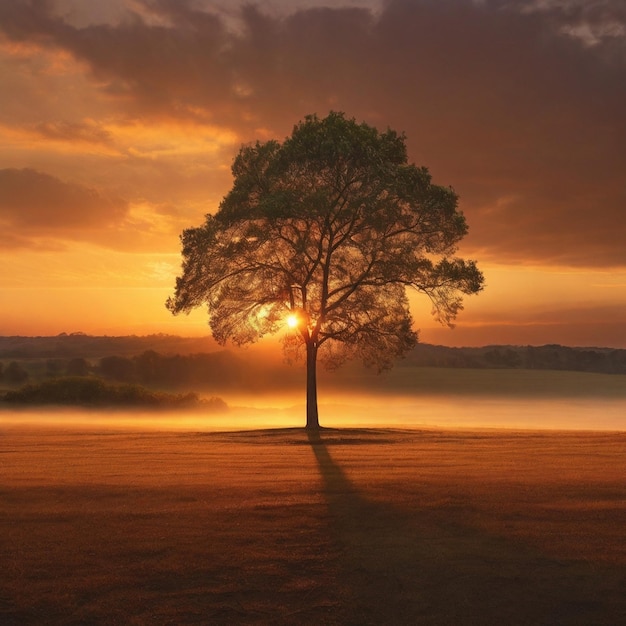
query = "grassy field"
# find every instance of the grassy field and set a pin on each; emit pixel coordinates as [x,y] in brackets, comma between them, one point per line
[357,526]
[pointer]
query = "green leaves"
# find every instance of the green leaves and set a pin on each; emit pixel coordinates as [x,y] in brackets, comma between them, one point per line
[336,222]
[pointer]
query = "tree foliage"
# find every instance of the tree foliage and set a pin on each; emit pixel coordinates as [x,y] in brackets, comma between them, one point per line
[15,374]
[332,225]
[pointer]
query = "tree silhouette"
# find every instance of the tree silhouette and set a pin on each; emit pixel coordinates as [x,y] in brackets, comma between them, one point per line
[78,366]
[15,373]
[325,232]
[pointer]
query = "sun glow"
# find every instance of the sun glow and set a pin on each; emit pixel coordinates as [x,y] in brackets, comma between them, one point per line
[292,321]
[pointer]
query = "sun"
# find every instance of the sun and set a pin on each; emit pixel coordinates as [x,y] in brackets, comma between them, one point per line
[292,321]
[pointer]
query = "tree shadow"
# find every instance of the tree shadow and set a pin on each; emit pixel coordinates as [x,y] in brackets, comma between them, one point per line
[402,566]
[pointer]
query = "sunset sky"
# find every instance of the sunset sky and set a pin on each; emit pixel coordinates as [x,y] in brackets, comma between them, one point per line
[119,121]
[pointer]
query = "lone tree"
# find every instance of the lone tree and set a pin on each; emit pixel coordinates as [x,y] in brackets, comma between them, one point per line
[325,232]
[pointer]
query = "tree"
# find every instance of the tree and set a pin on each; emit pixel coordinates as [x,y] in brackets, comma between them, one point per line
[326,231]
[118,368]
[77,366]
[15,374]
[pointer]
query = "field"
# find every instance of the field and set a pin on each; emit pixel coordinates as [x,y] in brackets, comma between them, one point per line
[358,526]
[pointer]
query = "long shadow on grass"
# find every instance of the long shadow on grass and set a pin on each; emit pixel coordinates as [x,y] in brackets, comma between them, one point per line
[399,566]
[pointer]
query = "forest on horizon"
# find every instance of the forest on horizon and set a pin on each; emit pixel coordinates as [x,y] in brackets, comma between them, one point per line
[175,359]
[167,371]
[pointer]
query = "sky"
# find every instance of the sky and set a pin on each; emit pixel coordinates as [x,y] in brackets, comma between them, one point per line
[120,119]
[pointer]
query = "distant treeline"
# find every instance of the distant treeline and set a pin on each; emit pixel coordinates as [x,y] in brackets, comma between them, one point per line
[549,357]
[216,371]
[164,361]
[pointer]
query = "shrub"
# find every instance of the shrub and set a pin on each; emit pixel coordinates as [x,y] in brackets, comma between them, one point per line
[15,373]
[82,391]
[77,367]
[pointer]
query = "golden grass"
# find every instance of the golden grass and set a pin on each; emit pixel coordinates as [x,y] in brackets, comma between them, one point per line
[274,527]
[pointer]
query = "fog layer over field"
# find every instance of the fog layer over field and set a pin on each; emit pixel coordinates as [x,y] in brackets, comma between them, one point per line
[337,410]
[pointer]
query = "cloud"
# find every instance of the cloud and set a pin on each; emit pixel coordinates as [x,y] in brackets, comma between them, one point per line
[517,105]
[39,211]
[83,131]
[595,23]
[33,203]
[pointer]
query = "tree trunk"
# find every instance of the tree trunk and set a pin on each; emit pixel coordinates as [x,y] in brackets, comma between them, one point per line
[312,418]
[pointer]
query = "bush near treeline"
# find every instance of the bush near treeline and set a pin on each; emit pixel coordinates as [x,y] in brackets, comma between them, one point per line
[219,369]
[83,391]
[13,373]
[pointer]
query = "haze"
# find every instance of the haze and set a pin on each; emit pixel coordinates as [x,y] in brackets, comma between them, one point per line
[347,411]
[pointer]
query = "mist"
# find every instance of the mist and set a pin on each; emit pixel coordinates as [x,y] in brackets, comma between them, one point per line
[340,410]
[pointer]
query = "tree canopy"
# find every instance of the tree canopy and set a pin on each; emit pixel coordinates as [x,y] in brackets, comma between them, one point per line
[330,226]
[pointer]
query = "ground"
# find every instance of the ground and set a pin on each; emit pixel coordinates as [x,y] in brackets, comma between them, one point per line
[356,526]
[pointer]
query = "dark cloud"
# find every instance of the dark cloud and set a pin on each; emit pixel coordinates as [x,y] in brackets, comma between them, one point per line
[599,24]
[517,105]
[35,204]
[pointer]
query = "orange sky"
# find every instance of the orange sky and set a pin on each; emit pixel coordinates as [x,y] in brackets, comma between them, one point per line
[119,121]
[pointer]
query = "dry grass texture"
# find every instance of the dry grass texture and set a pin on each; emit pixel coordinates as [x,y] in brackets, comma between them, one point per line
[273,527]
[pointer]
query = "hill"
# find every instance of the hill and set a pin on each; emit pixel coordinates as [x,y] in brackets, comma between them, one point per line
[90,346]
